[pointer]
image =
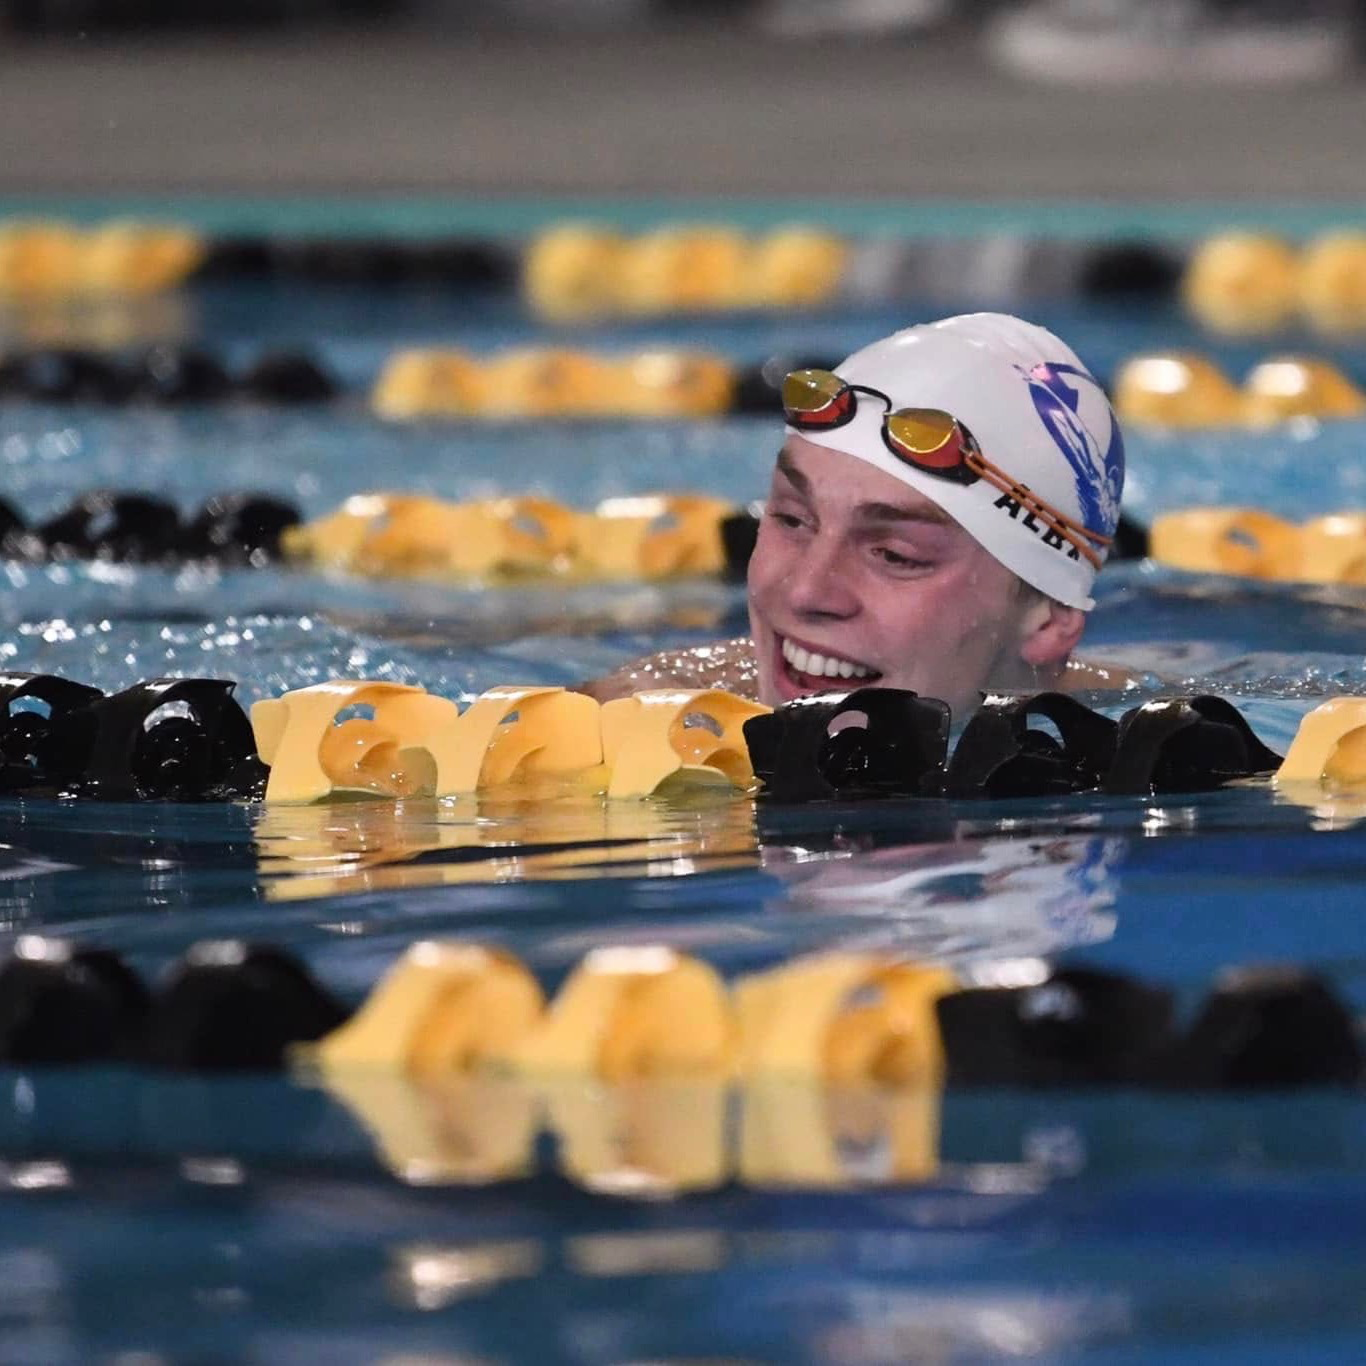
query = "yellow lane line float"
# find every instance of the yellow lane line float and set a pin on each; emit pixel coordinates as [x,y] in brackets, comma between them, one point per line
[429,383]
[633,1059]
[414,743]
[631,1012]
[548,382]
[1285,387]
[441,1008]
[1329,747]
[821,1040]
[654,737]
[575,272]
[1242,283]
[511,733]
[1184,391]
[1247,283]
[1325,767]
[570,272]
[454,1059]
[1332,283]
[59,259]
[682,270]
[652,536]
[1175,389]
[311,754]
[405,535]
[419,1062]
[844,1018]
[1256,544]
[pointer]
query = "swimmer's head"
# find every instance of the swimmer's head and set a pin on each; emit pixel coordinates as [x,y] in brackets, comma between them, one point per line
[871,566]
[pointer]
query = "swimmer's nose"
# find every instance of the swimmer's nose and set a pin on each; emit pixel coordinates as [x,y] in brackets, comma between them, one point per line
[820,584]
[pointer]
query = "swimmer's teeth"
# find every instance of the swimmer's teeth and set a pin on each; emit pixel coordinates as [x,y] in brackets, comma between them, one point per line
[822,666]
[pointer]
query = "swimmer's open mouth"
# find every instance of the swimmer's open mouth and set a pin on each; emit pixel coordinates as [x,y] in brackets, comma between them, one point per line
[812,670]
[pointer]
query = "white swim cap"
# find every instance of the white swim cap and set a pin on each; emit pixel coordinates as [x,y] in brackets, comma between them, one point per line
[1035,411]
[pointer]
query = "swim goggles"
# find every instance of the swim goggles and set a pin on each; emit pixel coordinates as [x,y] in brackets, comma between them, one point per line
[927,439]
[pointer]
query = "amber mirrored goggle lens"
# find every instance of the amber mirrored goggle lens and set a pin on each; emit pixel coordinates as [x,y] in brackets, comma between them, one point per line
[817,398]
[934,442]
[930,440]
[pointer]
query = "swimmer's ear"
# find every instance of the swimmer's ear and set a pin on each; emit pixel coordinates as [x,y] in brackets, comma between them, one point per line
[1049,631]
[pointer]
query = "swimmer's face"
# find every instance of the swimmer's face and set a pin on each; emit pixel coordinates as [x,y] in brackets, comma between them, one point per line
[857,580]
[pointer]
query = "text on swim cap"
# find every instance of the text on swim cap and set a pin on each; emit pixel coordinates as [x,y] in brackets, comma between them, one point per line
[1051,538]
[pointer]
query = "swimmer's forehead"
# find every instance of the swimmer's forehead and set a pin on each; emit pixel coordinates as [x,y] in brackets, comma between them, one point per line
[812,472]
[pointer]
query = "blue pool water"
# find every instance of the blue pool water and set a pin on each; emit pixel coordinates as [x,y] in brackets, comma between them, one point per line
[197,1220]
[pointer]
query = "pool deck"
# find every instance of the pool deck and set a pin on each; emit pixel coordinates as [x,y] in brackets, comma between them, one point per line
[714,112]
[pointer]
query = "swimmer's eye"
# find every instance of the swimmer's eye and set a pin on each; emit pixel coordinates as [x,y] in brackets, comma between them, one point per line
[894,560]
[790,520]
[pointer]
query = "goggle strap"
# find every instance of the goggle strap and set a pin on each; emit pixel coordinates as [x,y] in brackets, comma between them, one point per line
[1055,521]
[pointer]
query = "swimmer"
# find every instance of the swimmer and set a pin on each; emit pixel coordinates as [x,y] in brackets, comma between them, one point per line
[937,516]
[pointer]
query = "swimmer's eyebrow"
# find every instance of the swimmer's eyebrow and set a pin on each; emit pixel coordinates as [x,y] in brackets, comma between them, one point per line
[894,512]
[793,475]
[868,512]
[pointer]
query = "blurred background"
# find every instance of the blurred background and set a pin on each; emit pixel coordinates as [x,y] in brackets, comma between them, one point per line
[1129,99]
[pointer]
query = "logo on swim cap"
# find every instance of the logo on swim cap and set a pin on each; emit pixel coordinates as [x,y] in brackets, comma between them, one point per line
[1072,407]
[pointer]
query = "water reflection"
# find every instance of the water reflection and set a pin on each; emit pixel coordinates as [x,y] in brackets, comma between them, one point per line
[896,1324]
[431,1278]
[684,1252]
[984,1225]
[959,897]
[644,1139]
[977,1152]
[650,1139]
[843,1295]
[449,1130]
[951,891]
[64,1129]
[104,322]
[1333,806]
[321,850]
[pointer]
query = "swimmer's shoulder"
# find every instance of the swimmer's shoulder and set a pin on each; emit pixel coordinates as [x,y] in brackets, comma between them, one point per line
[1095,675]
[727,664]
[730,664]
